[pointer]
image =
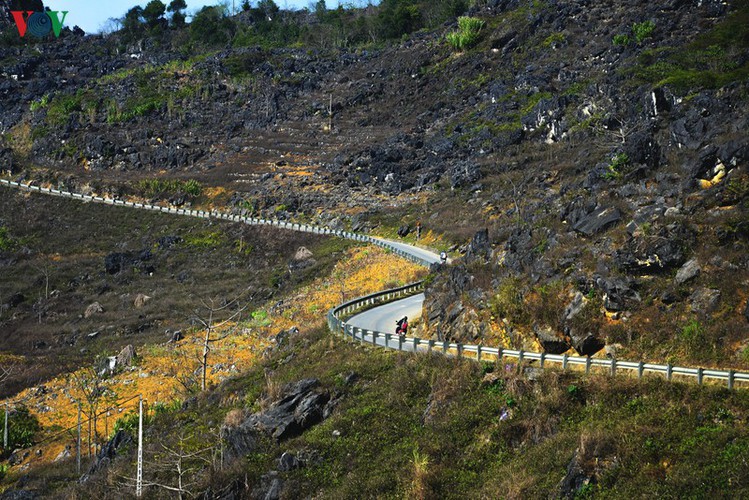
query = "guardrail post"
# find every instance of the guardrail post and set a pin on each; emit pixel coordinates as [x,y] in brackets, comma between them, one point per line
[731,375]
[478,353]
[587,365]
[374,337]
[430,345]
[543,358]
[500,354]
[521,353]
[613,367]
[640,369]
[700,374]
[564,361]
[445,346]
[362,332]
[460,350]
[400,342]
[416,344]
[387,339]
[669,371]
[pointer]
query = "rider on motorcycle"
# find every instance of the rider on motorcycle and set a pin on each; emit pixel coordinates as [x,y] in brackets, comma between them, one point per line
[402,327]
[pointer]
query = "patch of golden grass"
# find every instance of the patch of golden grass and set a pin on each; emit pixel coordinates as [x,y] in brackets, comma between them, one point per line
[163,371]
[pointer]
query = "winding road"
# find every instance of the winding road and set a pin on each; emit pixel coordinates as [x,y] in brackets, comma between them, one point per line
[377,324]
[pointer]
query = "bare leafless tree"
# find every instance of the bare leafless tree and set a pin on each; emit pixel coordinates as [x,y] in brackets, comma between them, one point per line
[178,466]
[208,319]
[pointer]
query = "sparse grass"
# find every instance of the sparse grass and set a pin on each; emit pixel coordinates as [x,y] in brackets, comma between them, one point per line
[468,33]
[510,439]
[709,62]
[161,188]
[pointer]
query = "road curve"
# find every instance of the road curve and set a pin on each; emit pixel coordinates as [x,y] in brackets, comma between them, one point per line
[383,318]
[390,312]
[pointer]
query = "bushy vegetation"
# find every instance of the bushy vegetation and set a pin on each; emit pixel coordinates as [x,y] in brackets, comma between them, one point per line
[709,62]
[6,241]
[639,33]
[22,428]
[446,428]
[269,26]
[161,188]
[468,33]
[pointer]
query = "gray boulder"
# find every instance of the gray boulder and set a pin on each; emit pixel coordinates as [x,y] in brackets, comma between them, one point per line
[550,341]
[704,300]
[302,404]
[688,271]
[597,221]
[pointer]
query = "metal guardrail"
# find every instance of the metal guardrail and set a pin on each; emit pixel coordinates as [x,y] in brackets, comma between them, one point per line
[214,214]
[484,353]
[398,342]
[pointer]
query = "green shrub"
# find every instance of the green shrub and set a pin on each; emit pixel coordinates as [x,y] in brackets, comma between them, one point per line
[643,30]
[22,427]
[6,242]
[622,39]
[615,170]
[41,103]
[160,188]
[640,31]
[508,301]
[129,422]
[469,29]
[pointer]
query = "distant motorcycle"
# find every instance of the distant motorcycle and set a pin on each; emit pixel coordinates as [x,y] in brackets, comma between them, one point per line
[402,326]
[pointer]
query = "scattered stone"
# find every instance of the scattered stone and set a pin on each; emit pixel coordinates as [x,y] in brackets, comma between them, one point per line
[598,221]
[688,271]
[126,356]
[288,462]
[404,231]
[141,300]
[746,310]
[94,308]
[120,440]
[551,342]
[303,254]
[704,300]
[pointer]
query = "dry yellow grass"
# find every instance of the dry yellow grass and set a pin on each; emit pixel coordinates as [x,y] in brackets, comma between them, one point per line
[163,371]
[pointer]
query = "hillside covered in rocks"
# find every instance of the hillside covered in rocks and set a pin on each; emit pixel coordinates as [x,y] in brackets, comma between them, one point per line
[603,145]
[584,163]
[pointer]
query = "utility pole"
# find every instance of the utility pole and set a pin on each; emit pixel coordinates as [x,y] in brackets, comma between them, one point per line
[139,480]
[5,430]
[78,448]
[330,115]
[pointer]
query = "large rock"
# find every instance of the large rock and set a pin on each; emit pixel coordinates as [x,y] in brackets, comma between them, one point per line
[585,343]
[550,341]
[688,271]
[303,253]
[141,300]
[94,308]
[654,253]
[704,300]
[479,247]
[120,440]
[618,293]
[301,405]
[464,173]
[126,357]
[597,221]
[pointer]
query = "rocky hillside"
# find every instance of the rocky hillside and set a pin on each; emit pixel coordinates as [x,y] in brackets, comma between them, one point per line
[584,162]
[602,145]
